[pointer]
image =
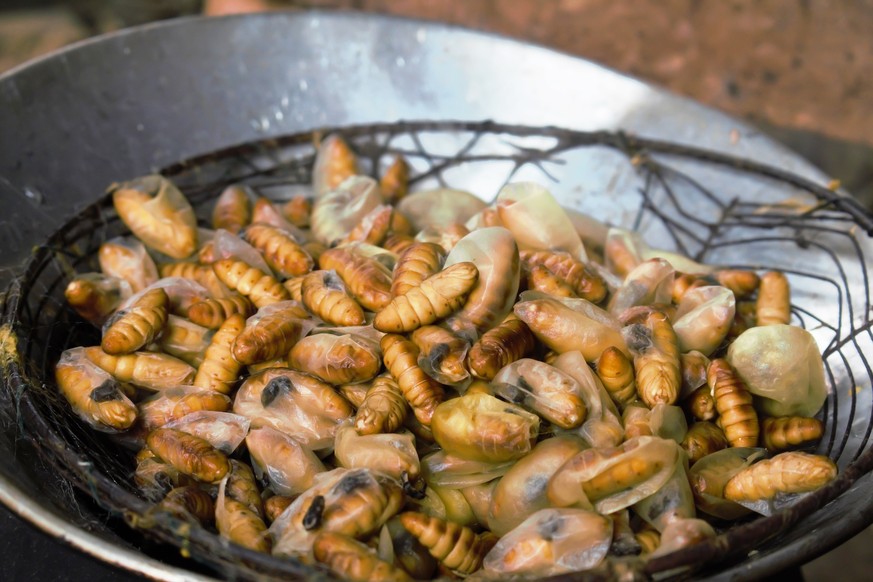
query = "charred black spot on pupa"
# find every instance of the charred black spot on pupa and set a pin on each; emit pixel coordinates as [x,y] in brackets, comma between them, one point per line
[550,528]
[112,319]
[106,391]
[276,387]
[638,337]
[312,518]
[352,482]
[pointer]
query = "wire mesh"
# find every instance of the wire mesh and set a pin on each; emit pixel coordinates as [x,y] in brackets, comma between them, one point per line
[706,205]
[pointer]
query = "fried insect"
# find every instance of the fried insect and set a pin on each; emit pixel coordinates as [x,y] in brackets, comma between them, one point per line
[233,209]
[295,288]
[238,523]
[280,250]
[703,438]
[774,300]
[138,325]
[395,181]
[398,243]
[275,505]
[616,372]
[383,409]
[442,354]
[184,340]
[480,427]
[241,486]
[786,432]
[649,539]
[173,404]
[155,479]
[541,279]
[219,370]
[564,329]
[189,502]
[694,365]
[127,259]
[202,274]
[336,359]
[373,228]
[499,347]
[791,472]
[543,389]
[158,214]
[437,297]
[288,466]
[211,313]
[324,294]
[418,262]
[145,369]
[701,404]
[189,454]
[261,288]
[352,560]
[459,548]
[334,163]
[95,297]
[586,283]
[422,392]
[742,283]
[367,280]
[683,283]
[275,331]
[93,394]
[656,359]
[737,416]
[392,454]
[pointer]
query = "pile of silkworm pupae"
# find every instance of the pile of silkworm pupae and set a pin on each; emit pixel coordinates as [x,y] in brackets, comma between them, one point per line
[410,385]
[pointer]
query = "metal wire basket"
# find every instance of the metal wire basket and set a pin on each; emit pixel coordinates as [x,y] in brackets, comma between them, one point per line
[708,206]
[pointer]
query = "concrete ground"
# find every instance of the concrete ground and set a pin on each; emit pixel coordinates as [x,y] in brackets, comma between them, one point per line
[799,69]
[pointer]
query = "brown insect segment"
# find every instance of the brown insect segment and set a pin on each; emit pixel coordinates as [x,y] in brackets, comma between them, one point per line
[233,209]
[422,392]
[658,375]
[297,211]
[374,227]
[585,282]
[295,288]
[219,370]
[384,408]
[774,300]
[621,259]
[442,353]
[787,432]
[395,181]
[437,297]
[649,540]
[158,214]
[744,318]
[324,294]
[137,325]
[791,472]
[355,393]
[241,486]
[315,249]
[147,369]
[366,279]
[93,299]
[261,288]
[104,403]
[128,262]
[499,347]
[187,502]
[182,405]
[701,404]
[457,547]
[189,454]
[616,371]
[398,243]
[335,360]
[418,262]
[202,274]
[742,283]
[737,416]
[211,313]
[271,336]
[620,477]
[338,162]
[280,250]
[263,210]
[703,438]
[683,283]
[541,279]
[236,522]
[359,505]
[352,560]
[275,505]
